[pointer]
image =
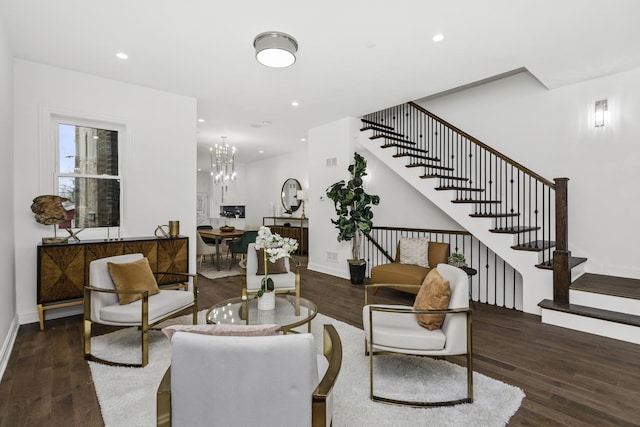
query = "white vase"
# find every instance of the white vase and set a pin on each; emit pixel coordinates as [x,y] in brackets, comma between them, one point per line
[267,301]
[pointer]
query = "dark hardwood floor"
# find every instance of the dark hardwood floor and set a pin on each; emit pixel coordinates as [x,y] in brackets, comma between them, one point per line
[570,378]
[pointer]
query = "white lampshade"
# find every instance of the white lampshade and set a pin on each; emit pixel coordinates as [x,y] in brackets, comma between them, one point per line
[275,49]
[301,194]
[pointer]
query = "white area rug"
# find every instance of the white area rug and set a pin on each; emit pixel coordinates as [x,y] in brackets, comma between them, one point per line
[127,396]
[210,272]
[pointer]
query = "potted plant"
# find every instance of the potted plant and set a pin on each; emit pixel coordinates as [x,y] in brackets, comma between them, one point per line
[457,260]
[275,247]
[353,207]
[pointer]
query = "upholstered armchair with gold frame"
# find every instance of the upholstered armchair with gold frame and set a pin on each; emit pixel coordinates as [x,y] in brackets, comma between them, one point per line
[288,282]
[395,329]
[101,305]
[267,381]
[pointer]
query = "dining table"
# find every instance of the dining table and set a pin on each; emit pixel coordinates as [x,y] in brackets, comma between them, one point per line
[218,235]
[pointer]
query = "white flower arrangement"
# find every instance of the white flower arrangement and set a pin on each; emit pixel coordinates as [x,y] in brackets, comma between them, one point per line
[275,247]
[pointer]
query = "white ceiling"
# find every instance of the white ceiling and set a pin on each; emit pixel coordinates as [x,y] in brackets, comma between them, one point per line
[355,56]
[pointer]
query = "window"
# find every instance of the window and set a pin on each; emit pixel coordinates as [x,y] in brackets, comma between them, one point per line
[88,175]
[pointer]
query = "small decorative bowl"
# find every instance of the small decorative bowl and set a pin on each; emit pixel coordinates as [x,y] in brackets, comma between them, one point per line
[227,228]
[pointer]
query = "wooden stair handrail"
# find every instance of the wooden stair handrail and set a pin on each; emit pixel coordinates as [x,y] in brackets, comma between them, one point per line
[485,146]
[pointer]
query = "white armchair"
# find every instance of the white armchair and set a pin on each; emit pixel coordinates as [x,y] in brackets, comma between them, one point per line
[288,282]
[395,329]
[267,381]
[101,305]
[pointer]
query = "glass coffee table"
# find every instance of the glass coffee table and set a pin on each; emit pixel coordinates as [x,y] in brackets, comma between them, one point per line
[290,312]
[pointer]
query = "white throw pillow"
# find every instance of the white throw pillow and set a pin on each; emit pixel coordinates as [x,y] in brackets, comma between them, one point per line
[414,251]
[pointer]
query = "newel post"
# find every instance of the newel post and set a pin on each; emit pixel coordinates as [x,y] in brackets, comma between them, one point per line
[561,255]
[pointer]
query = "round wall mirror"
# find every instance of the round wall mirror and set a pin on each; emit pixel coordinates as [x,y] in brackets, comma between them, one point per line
[289,195]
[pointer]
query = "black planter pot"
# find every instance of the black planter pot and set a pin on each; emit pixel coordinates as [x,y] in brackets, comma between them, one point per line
[357,270]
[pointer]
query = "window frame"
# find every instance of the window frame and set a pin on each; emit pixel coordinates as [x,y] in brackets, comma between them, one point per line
[56,121]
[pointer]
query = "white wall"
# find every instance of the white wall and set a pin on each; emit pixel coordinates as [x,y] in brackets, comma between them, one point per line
[8,319]
[330,141]
[264,180]
[159,158]
[552,133]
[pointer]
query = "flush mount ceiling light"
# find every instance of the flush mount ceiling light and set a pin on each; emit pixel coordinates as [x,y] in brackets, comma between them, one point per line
[275,49]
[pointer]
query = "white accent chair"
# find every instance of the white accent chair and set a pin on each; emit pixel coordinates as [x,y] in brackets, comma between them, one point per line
[288,282]
[267,381]
[395,329]
[101,305]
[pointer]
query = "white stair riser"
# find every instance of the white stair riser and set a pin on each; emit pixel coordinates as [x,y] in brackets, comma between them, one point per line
[605,302]
[577,271]
[590,325]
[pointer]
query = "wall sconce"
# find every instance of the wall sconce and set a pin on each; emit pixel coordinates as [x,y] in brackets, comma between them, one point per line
[601,109]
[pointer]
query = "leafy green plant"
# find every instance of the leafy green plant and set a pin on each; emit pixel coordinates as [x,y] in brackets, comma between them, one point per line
[353,205]
[456,260]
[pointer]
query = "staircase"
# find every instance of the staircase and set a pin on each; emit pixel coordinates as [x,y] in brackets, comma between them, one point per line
[517,213]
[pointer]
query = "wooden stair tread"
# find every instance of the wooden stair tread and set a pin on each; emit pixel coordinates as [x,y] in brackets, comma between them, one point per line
[410,148]
[453,178]
[417,156]
[608,285]
[393,138]
[494,215]
[379,129]
[574,261]
[417,165]
[456,188]
[514,230]
[595,313]
[495,202]
[380,125]
[534,246]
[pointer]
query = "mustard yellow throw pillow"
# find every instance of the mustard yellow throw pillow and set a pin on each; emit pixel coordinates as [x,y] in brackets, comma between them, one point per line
[434,294]
[133,275]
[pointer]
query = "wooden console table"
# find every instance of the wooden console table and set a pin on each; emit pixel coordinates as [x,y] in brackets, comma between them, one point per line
[63,269]
[297,230]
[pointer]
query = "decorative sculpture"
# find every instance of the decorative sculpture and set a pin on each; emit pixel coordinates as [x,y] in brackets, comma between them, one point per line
[49,211]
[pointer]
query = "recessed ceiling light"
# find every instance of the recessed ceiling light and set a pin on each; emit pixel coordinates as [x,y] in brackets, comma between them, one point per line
[261,151]
[303,139]
[438,37]
[201,120]
[122,55]
[295,103]
[199,169]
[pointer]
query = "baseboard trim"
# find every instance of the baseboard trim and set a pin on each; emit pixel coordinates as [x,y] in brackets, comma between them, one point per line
[7,345]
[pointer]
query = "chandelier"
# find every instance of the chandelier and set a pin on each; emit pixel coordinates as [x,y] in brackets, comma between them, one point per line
[223,167]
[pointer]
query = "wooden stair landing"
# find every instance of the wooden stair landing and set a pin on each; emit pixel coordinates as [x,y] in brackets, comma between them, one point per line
[608,285]
[596,313]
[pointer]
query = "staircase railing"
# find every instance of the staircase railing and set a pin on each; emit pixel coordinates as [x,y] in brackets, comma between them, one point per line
[520,201]
[496,282]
